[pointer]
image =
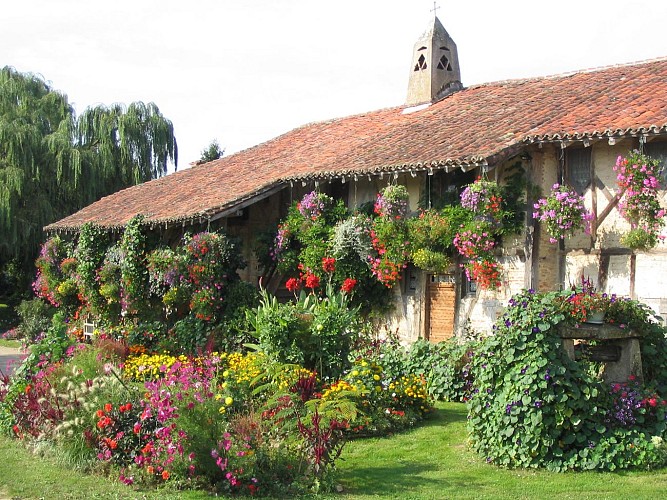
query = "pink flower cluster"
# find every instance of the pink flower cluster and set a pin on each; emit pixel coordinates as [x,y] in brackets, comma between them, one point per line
[562,212]
[473,243]
[637,176]
[312,205]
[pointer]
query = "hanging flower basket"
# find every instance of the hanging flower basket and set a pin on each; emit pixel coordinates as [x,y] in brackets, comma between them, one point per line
[482,196]
[562,213]
[393,202]
[638,177]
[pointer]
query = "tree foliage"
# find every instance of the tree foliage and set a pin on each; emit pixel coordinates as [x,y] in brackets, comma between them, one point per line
[53,163]
[212,152]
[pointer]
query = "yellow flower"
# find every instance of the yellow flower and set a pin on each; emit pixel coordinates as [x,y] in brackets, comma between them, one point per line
[229,400]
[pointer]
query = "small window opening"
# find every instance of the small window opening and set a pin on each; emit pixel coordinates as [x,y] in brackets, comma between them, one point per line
[444,64]
[658,151]
[578,169]
[444,48]
[421,63]
[421,48]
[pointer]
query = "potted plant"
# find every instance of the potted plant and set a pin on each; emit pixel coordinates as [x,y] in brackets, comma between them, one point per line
[485,199]
[393,202]
[587,304]
[637,177]
[562,212]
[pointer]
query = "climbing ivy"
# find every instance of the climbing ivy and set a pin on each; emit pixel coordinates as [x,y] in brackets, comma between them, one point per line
[134,275]
[89,254]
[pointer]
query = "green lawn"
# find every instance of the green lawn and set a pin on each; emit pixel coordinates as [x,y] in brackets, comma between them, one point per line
[10,343]
[431,462]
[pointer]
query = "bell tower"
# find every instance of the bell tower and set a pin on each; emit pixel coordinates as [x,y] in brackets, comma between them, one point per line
[435,71]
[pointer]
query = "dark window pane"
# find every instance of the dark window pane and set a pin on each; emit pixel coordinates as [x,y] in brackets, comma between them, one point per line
[658,150]
[579,168]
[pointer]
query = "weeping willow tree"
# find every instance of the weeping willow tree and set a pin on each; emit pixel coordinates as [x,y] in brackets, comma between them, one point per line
[53,163]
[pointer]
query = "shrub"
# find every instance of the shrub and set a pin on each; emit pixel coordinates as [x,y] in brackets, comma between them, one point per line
[35,316]
[534,407]
[445,366]
[315,333]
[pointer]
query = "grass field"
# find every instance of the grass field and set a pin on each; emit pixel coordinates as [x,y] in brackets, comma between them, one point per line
[430,462]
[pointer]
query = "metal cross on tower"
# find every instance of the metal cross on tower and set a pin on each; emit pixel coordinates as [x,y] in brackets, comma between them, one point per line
[434,9]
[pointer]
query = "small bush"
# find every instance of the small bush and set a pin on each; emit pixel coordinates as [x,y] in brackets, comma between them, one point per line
[35,316]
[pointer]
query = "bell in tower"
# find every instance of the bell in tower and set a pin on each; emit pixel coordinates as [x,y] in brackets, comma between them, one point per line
[434,72]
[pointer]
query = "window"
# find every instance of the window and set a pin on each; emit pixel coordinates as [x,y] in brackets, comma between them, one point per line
[578,169]
[469,286]
[410,279]
[421,63]
[658,150]
[444,64]
[89,327]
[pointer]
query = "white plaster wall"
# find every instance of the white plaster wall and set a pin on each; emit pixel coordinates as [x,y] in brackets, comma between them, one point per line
[651,281]
[578,264]
[618,278]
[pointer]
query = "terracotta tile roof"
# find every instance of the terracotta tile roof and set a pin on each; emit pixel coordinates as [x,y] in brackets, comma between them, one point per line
[477,125]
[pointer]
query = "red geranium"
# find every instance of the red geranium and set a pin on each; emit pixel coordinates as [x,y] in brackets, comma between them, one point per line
[293,284]
[312,281]
[348,285]
[328,264]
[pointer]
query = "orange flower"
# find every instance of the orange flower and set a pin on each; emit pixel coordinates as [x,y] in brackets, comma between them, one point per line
[108,407]
[165,474]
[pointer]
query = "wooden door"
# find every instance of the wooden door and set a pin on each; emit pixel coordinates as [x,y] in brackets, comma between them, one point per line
[441,307]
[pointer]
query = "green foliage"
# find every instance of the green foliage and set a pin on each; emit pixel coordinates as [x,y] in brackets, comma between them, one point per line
[431,260]
[52,164]
[212,152]
[639,178]
[133,272]
[188,336]
[304,240]
[309,229]
[110,285]
[514,206]
[639,239]
[446,366]
[89,255]
[35,318]
[48,349]
[314,333]
[126,288]
[232,332]
[534,407]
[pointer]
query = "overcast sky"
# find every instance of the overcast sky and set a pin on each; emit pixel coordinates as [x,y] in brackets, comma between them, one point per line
[244,71]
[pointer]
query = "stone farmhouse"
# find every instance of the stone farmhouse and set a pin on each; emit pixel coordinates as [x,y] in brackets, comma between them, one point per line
[567,128]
